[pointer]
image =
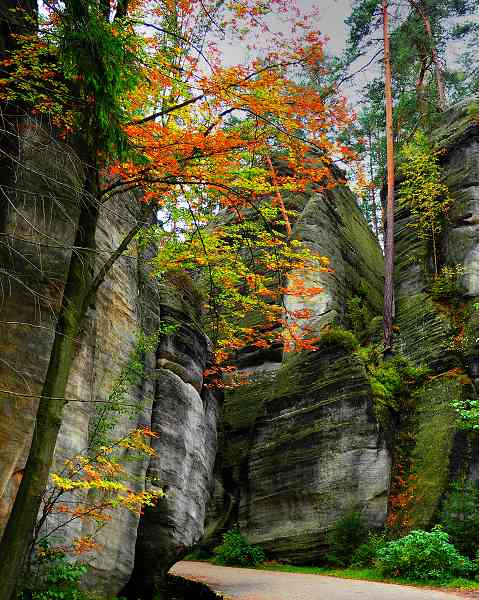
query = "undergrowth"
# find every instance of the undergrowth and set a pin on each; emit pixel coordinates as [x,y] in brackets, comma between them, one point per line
[371,574]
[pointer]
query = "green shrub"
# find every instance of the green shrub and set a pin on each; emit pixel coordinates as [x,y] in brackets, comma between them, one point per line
[53,577]
[391,378]
[365,555]
[468,413]
[446,284]
[359,314]
[344,538]
[235,550]
[459,516]
[423,555]
[337,337]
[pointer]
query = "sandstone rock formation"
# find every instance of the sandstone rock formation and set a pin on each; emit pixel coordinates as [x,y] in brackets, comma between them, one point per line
[185,414]
[442,333]
[38,228]
[301,444]
[305,442]
[38,215]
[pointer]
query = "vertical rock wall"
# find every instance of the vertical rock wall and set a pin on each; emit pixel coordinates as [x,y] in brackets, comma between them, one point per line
[39,214]
[185,413]
[301,445]
[39,223]
[442,333]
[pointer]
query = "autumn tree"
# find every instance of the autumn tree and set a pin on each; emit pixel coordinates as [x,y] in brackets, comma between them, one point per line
[147,104]
[423,191]
[12,24]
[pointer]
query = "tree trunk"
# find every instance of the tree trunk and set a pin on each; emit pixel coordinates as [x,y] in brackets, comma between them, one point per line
[279,197]
[389,221]
[421,101]
[373,191]
[80,288]
[441,91]
[17,538]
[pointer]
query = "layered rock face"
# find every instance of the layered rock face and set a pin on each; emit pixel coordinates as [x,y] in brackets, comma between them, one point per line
[301,444]
[185,413]
[38,218]
[38,230]
[442,332]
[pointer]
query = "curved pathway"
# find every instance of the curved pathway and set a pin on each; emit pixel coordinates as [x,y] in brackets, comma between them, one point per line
[250,584]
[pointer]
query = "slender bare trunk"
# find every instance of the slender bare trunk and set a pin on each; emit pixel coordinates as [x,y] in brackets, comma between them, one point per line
[389,242]
[434,248]
[373,190]
[279,198]
[441,90]
[420,85]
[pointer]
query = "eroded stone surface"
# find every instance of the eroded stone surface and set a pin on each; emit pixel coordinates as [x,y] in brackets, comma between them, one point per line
[301,445]
[39,212]
[442,333]
[38,229]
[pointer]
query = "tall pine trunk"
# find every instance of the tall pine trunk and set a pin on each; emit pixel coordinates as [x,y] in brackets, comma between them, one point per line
[441,88]
[389,241]
[18,536]
[373,190]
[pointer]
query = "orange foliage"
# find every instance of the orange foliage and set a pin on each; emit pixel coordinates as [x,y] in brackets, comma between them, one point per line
[207,137]
[104,473]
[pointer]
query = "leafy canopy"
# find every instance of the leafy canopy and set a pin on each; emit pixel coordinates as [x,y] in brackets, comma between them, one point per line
[146,93]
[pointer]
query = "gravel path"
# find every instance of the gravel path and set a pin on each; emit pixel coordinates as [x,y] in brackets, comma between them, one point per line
[249,584]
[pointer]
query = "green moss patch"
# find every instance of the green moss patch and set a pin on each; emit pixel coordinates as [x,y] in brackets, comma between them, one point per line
[435,429]
[423,332]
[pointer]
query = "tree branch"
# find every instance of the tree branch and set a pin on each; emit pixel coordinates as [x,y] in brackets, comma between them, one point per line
[108,264]
[121,9]
[167,111]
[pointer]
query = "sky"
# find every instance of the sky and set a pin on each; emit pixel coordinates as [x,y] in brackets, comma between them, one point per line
[331,23]
[332,14]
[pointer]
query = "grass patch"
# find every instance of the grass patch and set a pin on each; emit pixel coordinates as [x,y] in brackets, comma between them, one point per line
[371,575]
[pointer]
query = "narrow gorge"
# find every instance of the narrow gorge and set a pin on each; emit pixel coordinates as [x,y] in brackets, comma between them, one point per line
[309,437]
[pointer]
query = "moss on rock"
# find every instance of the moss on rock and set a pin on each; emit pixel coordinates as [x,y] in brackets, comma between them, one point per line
[436,426]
